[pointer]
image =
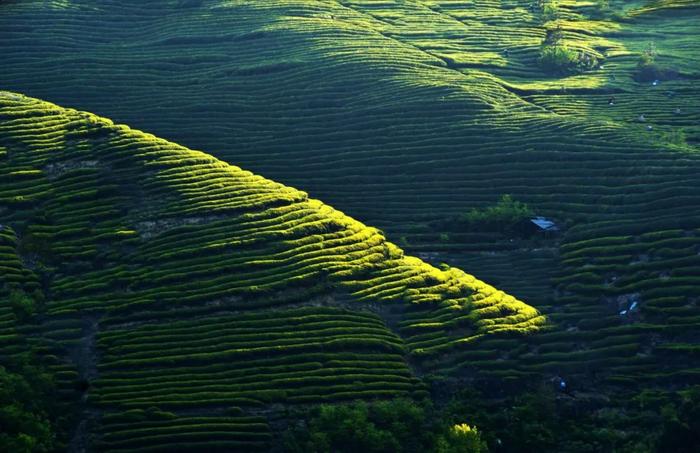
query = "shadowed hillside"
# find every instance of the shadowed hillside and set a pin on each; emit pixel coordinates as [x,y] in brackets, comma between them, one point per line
[170,279]
[410,116]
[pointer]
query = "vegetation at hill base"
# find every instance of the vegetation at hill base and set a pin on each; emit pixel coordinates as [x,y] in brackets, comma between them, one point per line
[24,422]
[541,419]
[396,425]
[143,322]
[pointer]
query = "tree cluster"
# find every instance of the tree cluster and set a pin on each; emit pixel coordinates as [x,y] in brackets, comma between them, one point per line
[24,410]
[399,425]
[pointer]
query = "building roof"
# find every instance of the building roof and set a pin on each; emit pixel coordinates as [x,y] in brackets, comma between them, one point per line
[545,224]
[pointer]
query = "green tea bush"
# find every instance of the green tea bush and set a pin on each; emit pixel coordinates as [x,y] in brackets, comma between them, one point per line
[23,305]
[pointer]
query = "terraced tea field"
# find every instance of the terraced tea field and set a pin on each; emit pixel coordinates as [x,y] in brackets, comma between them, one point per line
[414,101]
[402,114]
[181,286]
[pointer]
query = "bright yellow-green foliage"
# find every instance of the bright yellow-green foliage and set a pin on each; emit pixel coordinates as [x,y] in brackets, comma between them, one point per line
[462,429]
[203,284]
[280,236]
[462,438]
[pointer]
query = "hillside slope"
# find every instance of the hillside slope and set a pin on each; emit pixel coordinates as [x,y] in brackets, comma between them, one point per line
[415,101]
[172,280]
[406,114]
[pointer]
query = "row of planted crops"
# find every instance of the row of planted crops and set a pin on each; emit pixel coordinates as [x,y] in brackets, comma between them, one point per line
[178,286]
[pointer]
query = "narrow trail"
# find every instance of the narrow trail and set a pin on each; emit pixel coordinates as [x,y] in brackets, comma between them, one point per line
[85,358]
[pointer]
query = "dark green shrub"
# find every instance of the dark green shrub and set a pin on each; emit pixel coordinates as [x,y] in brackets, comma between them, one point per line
[553,36]
[556,58]
[681,423]
[22,305]
[560,60]
[548,10]
[502,217]
[25,421]
[398,425]
[649,70]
